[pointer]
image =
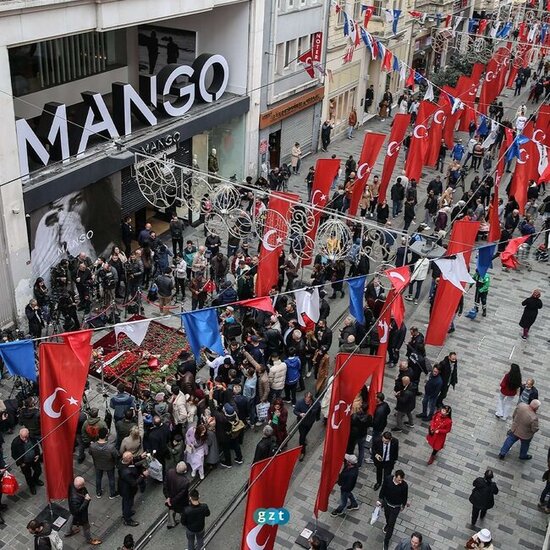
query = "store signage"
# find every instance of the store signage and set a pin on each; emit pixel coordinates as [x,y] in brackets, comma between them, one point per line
[162,143]
[317,46]
[166,93]
[291,107]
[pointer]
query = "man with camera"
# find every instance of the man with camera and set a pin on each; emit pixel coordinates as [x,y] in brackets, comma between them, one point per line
[84,281]
[108,278]
[134,273]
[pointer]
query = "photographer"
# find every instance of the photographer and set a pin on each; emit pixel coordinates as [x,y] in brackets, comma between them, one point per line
[134,273]
[60,277]
[108,278]
[33,314]
[40,293]
[67,307]
[84,281]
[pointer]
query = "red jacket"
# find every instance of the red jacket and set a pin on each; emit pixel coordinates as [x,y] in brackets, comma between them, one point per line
[505,389]
[442,425]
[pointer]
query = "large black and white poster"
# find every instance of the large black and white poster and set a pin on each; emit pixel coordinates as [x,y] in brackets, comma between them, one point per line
[159,46]
[83,221]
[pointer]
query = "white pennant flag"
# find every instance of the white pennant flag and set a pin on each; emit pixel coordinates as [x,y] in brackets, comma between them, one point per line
[402,72]
[494,29]
[307,301]
[429,95]
[455,270]
[543,157]
[458,19]
[136,331]
[389,16]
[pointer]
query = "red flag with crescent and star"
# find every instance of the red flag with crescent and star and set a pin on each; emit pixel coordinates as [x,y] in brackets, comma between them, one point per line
[268,484]
[418,148]
[399,277]
[526,168]
[274,238]
[326,171]
[397,134]
[63,372]
[436,131]
[369,153]
[348,381]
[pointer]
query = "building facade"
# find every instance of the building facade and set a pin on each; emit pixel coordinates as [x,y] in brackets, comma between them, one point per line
[93,97]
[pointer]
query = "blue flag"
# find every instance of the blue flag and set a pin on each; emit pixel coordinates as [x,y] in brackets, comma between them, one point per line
[471,25]
[202,331]
[485,258]
[396,65]
[396,16]
[18,357]
[513,151]
[356,287]
[483,129]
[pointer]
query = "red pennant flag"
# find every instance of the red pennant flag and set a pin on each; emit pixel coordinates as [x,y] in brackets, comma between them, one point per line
[542,126]
[526,169]
[436,131]
[387,61]
[477,71]
[419,142]
[80,343]
[397,134]
[62,379]
[522,29]
[507,257]
[383,326]
[369,153]
[410,79]
[448,20]
[482,25]
[447,296]
[398,310]
[369,10]
[268,485]
[345,387]
[325,173]
[264,304]
[512,77]
[399,277]
[494,221]
[452,118]
[307,59]
[273,240]
[467,89]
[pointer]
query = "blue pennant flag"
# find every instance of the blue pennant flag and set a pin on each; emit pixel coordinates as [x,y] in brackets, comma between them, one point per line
[471,25]
[485,258]
[513,152]
[381,50]
[543,32]
[503,33]
[367,39]
[396,16]
[356,288]
[18,357]
[483,128]
[418,78]
[396,66]
[202,331]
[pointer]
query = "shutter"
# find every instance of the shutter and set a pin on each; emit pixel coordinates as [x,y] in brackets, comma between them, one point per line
[297,128]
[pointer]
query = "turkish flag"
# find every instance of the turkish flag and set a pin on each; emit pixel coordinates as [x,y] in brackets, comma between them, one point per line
[507,257]
[369,10]
[494,221]
[477,71]
[447,296]
[489,87]
[369,153]
[383,325]
[387,61]
[326,171]
[543,125]
[526,169]
[347,383]
[410,79]
[467,89]
[268,485]
[481,26]
[263,304]
[418,148]
[436,131]
[399,277]
[397,134]
[273,240]
[510,82]
[63,371]
[307,59]
[398,309]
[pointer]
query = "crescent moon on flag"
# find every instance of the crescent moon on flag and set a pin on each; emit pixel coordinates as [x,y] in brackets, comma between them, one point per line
[393,148]
[415,132]
[437,119]
[332,423]
[492,76]
[534,138]
[48,404]
[362,167]
[314,195]
[473,89]
[265,240]
[396,275]
[520,161]
[383,325]
[252,539]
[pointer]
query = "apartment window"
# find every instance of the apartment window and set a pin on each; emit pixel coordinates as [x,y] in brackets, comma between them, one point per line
[290,54]
[280,57]
[304,43]
[51,63]
[278,4]
[290,4]
[303,3]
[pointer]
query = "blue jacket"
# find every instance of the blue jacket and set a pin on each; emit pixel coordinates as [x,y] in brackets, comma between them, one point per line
[457,152]
[433,385]
[120,403]
[312,412]
[293,369]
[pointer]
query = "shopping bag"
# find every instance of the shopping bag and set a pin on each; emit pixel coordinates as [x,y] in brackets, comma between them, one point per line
[261,411]
[10,486]
[155,470]
[375,514]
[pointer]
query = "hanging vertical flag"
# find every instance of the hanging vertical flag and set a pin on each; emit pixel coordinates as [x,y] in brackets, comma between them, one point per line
[410,79]
[493,217]
[397,134]
[525,170]
[458,20]
[477,71]
[317,46]
[403,72]
[202,331]
[367,39]
[307,304]
[485,258]
[273,240]
[267,487]
[356,289]
[388,14]
[326,171]
[418,148]
[447,297]
[398,309]
[18,357]
[395,21]
[448,20]
[367,11]
[63,374]
[380,48]
[471,25]
[494,29]
[369,153]
[482,26]
[387,61]
[436,132]
[307,60]
[347,383]
[429,94]
[468,87]
[396,67]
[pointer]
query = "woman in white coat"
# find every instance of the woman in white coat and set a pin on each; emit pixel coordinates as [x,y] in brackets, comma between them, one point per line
[418,276]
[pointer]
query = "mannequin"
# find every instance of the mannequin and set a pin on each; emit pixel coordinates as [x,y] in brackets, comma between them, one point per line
[213,166]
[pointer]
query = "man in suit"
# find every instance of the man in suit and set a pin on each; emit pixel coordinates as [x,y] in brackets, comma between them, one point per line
[385,453]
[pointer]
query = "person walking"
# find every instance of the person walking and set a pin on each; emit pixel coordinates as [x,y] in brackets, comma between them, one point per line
[193,519]
[176,491]
[196,448]
[482,289]
[385,453]
[129,477]
[266,447]
[406,403]
[528,392]
[25,450]
[352,122]
[393,496]
[293,374]
[308,411]
[481,541]
[295,158]
[176,233]
[165,285]
[525,424]
[277,417]
[509,387]
[326,130]
[440,426]
[79,502]
[380,416]
[483,496]
[432,388]
[418,276]
[449,372]
[347,480]
[531,308]
[415,542]
[104,456]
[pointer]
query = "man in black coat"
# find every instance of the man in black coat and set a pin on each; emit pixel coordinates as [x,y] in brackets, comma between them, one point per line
[323,333]
[396,341]
[267,446]
[406,402]
[157,439]
[307,411]
[385,453]
[176,491]
[380,417]
[347,480]
[79,502]
[483,496]
[25,450]
[360,423]
[129,478]
[417,338]
[449,373]
[393,496]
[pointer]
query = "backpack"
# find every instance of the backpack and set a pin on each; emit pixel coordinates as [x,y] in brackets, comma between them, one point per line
[236,428]
[153,293]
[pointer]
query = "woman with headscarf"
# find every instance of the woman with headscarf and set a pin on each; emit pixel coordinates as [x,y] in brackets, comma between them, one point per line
[531,308]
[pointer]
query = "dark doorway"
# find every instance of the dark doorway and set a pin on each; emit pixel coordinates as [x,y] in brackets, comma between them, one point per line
[275,149]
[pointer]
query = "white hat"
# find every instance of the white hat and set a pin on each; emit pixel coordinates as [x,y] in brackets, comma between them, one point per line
[352,459]
[484,535]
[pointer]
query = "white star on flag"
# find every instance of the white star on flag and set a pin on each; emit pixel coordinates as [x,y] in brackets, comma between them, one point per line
[72,401]
[455,270]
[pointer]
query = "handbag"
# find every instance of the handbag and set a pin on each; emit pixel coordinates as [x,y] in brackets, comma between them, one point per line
[155,470]
[375,514]
[10,485]
[261,411]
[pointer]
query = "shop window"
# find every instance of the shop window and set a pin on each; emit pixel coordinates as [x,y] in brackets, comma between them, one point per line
[41,65]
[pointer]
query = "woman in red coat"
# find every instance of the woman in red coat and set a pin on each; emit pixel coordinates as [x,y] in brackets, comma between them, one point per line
[277,417]
[440,426]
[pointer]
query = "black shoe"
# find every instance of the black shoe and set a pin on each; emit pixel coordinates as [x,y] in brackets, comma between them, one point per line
[32,490]
[423,416]
[396,429]
[39,482]
[501,456]
[239,461]
[376,486]
[526,457]
[131,523]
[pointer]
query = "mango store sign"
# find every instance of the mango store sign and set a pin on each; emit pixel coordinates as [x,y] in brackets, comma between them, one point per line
[165,93]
